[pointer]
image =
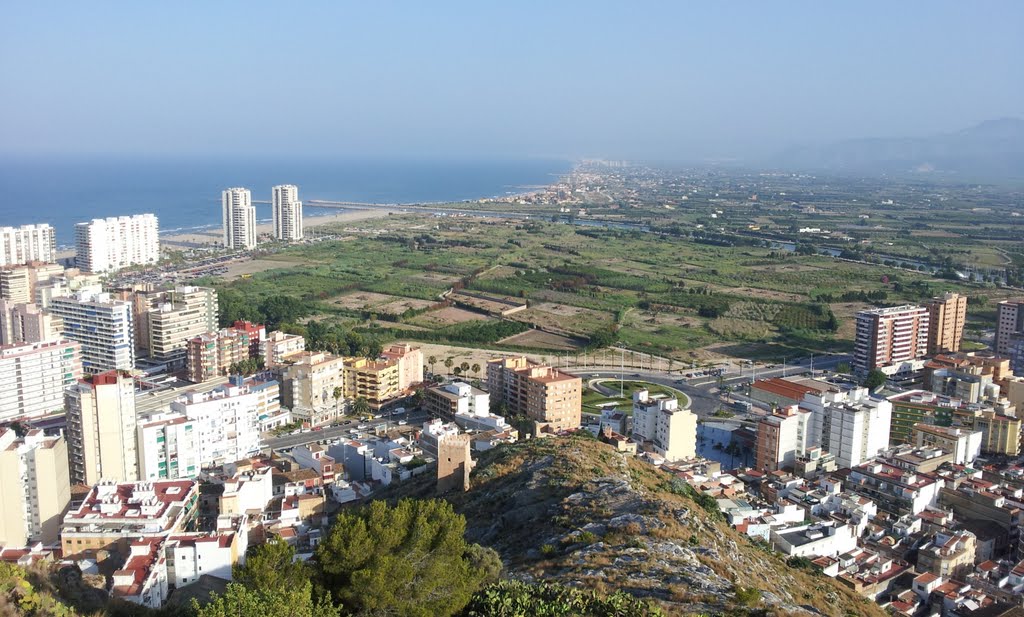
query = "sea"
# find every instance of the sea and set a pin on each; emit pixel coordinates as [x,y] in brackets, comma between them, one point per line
[184,193]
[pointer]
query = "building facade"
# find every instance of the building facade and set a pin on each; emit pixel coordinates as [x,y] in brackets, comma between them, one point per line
[1009,325]
[946,317]
[33,377]
[102,429]
[239,218]
[227,420]
[888,337]
[104,327]
[552,398]
[110,244]
[781,438]
[280,346]
[35,487]
[671,431]
[27,323]
[376,381]
[410,363]
[309,387]
[20,245]
[287,213]
[174,317]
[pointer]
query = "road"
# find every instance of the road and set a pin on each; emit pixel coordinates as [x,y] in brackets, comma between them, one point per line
[702,391]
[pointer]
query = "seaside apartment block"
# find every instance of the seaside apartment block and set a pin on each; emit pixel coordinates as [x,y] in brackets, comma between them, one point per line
[239,217]
[550,397]
[21,245]
[287,213]
[110,244]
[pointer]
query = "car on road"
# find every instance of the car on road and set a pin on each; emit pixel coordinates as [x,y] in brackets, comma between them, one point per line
[362,427]
[402,423]
[347,422]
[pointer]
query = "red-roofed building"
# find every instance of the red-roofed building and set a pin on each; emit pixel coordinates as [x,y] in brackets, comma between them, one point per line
[143,578]
[114,515]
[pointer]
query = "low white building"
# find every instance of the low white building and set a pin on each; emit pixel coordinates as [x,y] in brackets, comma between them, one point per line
[816,540]
[246,491]
[190,556]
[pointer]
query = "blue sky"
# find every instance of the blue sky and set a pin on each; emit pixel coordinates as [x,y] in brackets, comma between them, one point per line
[641,80]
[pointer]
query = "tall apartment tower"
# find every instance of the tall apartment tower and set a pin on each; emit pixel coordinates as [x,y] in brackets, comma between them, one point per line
[101,429]
[287,211]
[887,337]
[107,245]
[946,317]
[104,326]
[35,487]
[20,245]
[170,318]
[1009,325]
[1009,341]
[239,219]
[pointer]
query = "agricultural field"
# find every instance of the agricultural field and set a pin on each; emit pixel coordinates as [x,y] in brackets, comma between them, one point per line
[673,294]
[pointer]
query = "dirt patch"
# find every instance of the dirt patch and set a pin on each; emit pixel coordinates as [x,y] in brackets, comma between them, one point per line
[448,316]
[544,340]
[248,267]
[378,302]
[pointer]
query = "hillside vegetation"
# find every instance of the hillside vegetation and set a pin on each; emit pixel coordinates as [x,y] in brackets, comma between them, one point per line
[572,510]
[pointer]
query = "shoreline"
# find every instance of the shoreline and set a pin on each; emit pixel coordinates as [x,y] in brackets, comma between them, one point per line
[210,235]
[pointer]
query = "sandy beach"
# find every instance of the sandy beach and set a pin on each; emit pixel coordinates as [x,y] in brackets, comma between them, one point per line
[212,236]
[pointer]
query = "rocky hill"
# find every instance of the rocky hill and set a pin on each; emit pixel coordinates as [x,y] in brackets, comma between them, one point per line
[575,511]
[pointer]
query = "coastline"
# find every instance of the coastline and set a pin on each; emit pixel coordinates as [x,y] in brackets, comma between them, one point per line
[211,235]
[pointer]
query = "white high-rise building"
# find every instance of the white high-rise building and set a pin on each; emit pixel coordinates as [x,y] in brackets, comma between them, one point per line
[851,424]
[889,337]
[20,245]
[239,219]
[228,420]
[33,377]
[205,429]
[107,245]
[101,429]
[104,326]
[287,211]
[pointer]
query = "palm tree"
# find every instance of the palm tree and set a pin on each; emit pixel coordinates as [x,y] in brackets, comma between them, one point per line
[361,407]
[476,370]
[432,360]
[464,366]
[338,392]
[448,362]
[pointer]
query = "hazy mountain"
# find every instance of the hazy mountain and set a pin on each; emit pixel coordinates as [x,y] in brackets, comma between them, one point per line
[991,150]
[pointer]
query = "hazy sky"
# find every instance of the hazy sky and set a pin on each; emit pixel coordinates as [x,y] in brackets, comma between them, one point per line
[644,80]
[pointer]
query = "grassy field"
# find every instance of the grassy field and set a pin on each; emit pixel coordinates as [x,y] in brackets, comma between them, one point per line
[665,295]
[594,401]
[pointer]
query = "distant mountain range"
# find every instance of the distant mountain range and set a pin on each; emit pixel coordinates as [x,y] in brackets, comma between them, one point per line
[992,150]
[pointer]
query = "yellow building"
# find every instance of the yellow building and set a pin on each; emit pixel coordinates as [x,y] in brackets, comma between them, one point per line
[946,317]
[1000,433]
[377,381]
[551,398]
[34,487]
[410,363]
[309,386]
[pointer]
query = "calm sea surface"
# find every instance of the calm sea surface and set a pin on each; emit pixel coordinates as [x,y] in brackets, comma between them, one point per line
[185,193]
